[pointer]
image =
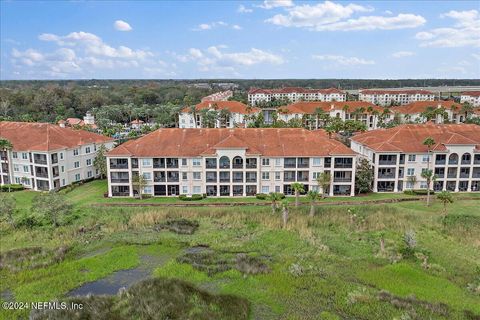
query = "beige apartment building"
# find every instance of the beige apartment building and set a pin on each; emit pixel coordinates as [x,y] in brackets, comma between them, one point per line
[447,111]
[472,97]
[293,94]
[230,162]
[387,98]
[399,156]
[47,157]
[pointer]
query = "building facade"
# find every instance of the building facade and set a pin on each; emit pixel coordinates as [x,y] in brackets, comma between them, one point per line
[219,96]
[435,111]
[236,114]
[47,157]
[472,97]
[399,157]
[293,94]
[230,162]
[387,98]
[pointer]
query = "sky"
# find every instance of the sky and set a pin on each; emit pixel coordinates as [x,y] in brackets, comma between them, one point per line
[271,39]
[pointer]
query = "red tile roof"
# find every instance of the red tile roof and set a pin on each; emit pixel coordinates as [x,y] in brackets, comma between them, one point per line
[31,136]
[421,106]
[471,93]
[267,142]
[391,91]
[410,137]
[232,106]
[294,90]
[309,107]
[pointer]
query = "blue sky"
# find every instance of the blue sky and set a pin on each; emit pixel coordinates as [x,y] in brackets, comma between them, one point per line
[239,39]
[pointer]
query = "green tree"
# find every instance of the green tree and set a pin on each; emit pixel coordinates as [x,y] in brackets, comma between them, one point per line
[324,180]
[429,176]
[274,197]
[445,197]
[7,207]
[100,161]
[139,182]
[429,142]
[52,206]
[298,188]
[364,176]
[312,196]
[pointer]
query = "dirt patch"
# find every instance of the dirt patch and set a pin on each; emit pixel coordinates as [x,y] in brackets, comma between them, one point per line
[408,303]
[7,295]
[31,258]
[157,298]
[179,226]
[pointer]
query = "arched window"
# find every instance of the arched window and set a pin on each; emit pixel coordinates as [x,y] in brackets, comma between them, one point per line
[466,158]
[224,162]
[453,159]
[338,115]
[237,163]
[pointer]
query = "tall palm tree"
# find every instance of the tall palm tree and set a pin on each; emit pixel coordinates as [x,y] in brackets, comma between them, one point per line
[429,176]
[274,197]
[429,142]
[298,188]
[324,180]
[193,111]
[312,196]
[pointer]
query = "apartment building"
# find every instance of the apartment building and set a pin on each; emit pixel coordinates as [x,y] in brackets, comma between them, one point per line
[219,96]
[365,112]
[238,115]
[294,94]
[472,97]
[399,156]
[230,162]
[443,110]
[46,157]
[387,98]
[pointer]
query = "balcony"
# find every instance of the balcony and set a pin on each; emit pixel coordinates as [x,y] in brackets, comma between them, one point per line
[387,162]
[118,163]
[386,175]
[211,163]
[343,163]
[159,177]
[40,160]
[173,177]
[302,162]
[224,179]
[440,162]
[476,159]
[211,177]
[172,163]
[158,163]
[120,180]
[464,175]
[290,163]
[302,176]
[238,179]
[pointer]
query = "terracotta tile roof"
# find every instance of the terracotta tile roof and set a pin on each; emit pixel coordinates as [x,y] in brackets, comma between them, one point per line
[295,90]
[31,136]
[471,93]
[309,107]
[410,137]
[273,142]
[391,91]
[74,121]
[421,106]
[232,106]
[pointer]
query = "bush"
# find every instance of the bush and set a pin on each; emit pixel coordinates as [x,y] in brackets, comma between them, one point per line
[12,187]
[193,197]
[261,196]
[418,192]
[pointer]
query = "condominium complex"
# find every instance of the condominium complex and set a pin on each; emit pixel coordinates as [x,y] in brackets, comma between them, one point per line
[387,98]
[293,94]
[399,156]
[472,97]
[234,114]
[219,96]
[365,112]
[46,157]
[436,111]
[229,162]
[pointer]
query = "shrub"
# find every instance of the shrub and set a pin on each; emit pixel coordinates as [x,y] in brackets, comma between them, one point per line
[11,187]
[193,197]
[418,192]
[261,196]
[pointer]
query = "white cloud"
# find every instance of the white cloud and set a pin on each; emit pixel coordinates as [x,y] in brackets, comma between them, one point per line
[243,9]
[121,25]
[465,31]
[343,61]
[402,54]
[330,16]
[236,27]
[215,24]
[270,4]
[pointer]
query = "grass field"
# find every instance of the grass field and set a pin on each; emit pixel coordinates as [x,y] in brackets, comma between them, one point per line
[326,267]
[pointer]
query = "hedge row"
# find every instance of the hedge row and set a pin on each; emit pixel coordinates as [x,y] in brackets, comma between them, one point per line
[193,197]
[418,192]
[11,187]
[264,196]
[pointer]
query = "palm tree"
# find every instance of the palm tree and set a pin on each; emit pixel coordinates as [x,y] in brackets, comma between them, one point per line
[274,197]
[429,142]
[298,188]
[193,111]
[285,213]
[312,196]
[140,182]
[324,180]
[446,198]
[429,176]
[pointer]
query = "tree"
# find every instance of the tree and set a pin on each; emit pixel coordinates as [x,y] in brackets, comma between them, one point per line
[285,213]
[140,182]
[7,206]
[312,196]
[446,198]
[52,206]
[429,176]
[274,197]
[298,188]
[324,180]
[364,176]
[100,161]
[429,142]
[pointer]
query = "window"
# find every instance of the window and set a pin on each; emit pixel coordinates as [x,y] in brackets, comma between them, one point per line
[24,156]
[265,189]
[184,189]
[423,185]
[277,188]
[265,175]
[278,162]
[316,175]
[197,190]
[184,162]
[77,177]
[409,185]
[25,169]
[17,180]
[62,168]
[317,161]
[76,164]
[147,189]
[16,168]
[61,155]
[89,174]
[197,176]
[265,162]
[63,182]
[197,162]
[146,162]
[410,171]
[75,152]
[147,176]
[425,158]
[89,162]
[184,175]
[87,150]
[14,155]
[278,175]
[411,158]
